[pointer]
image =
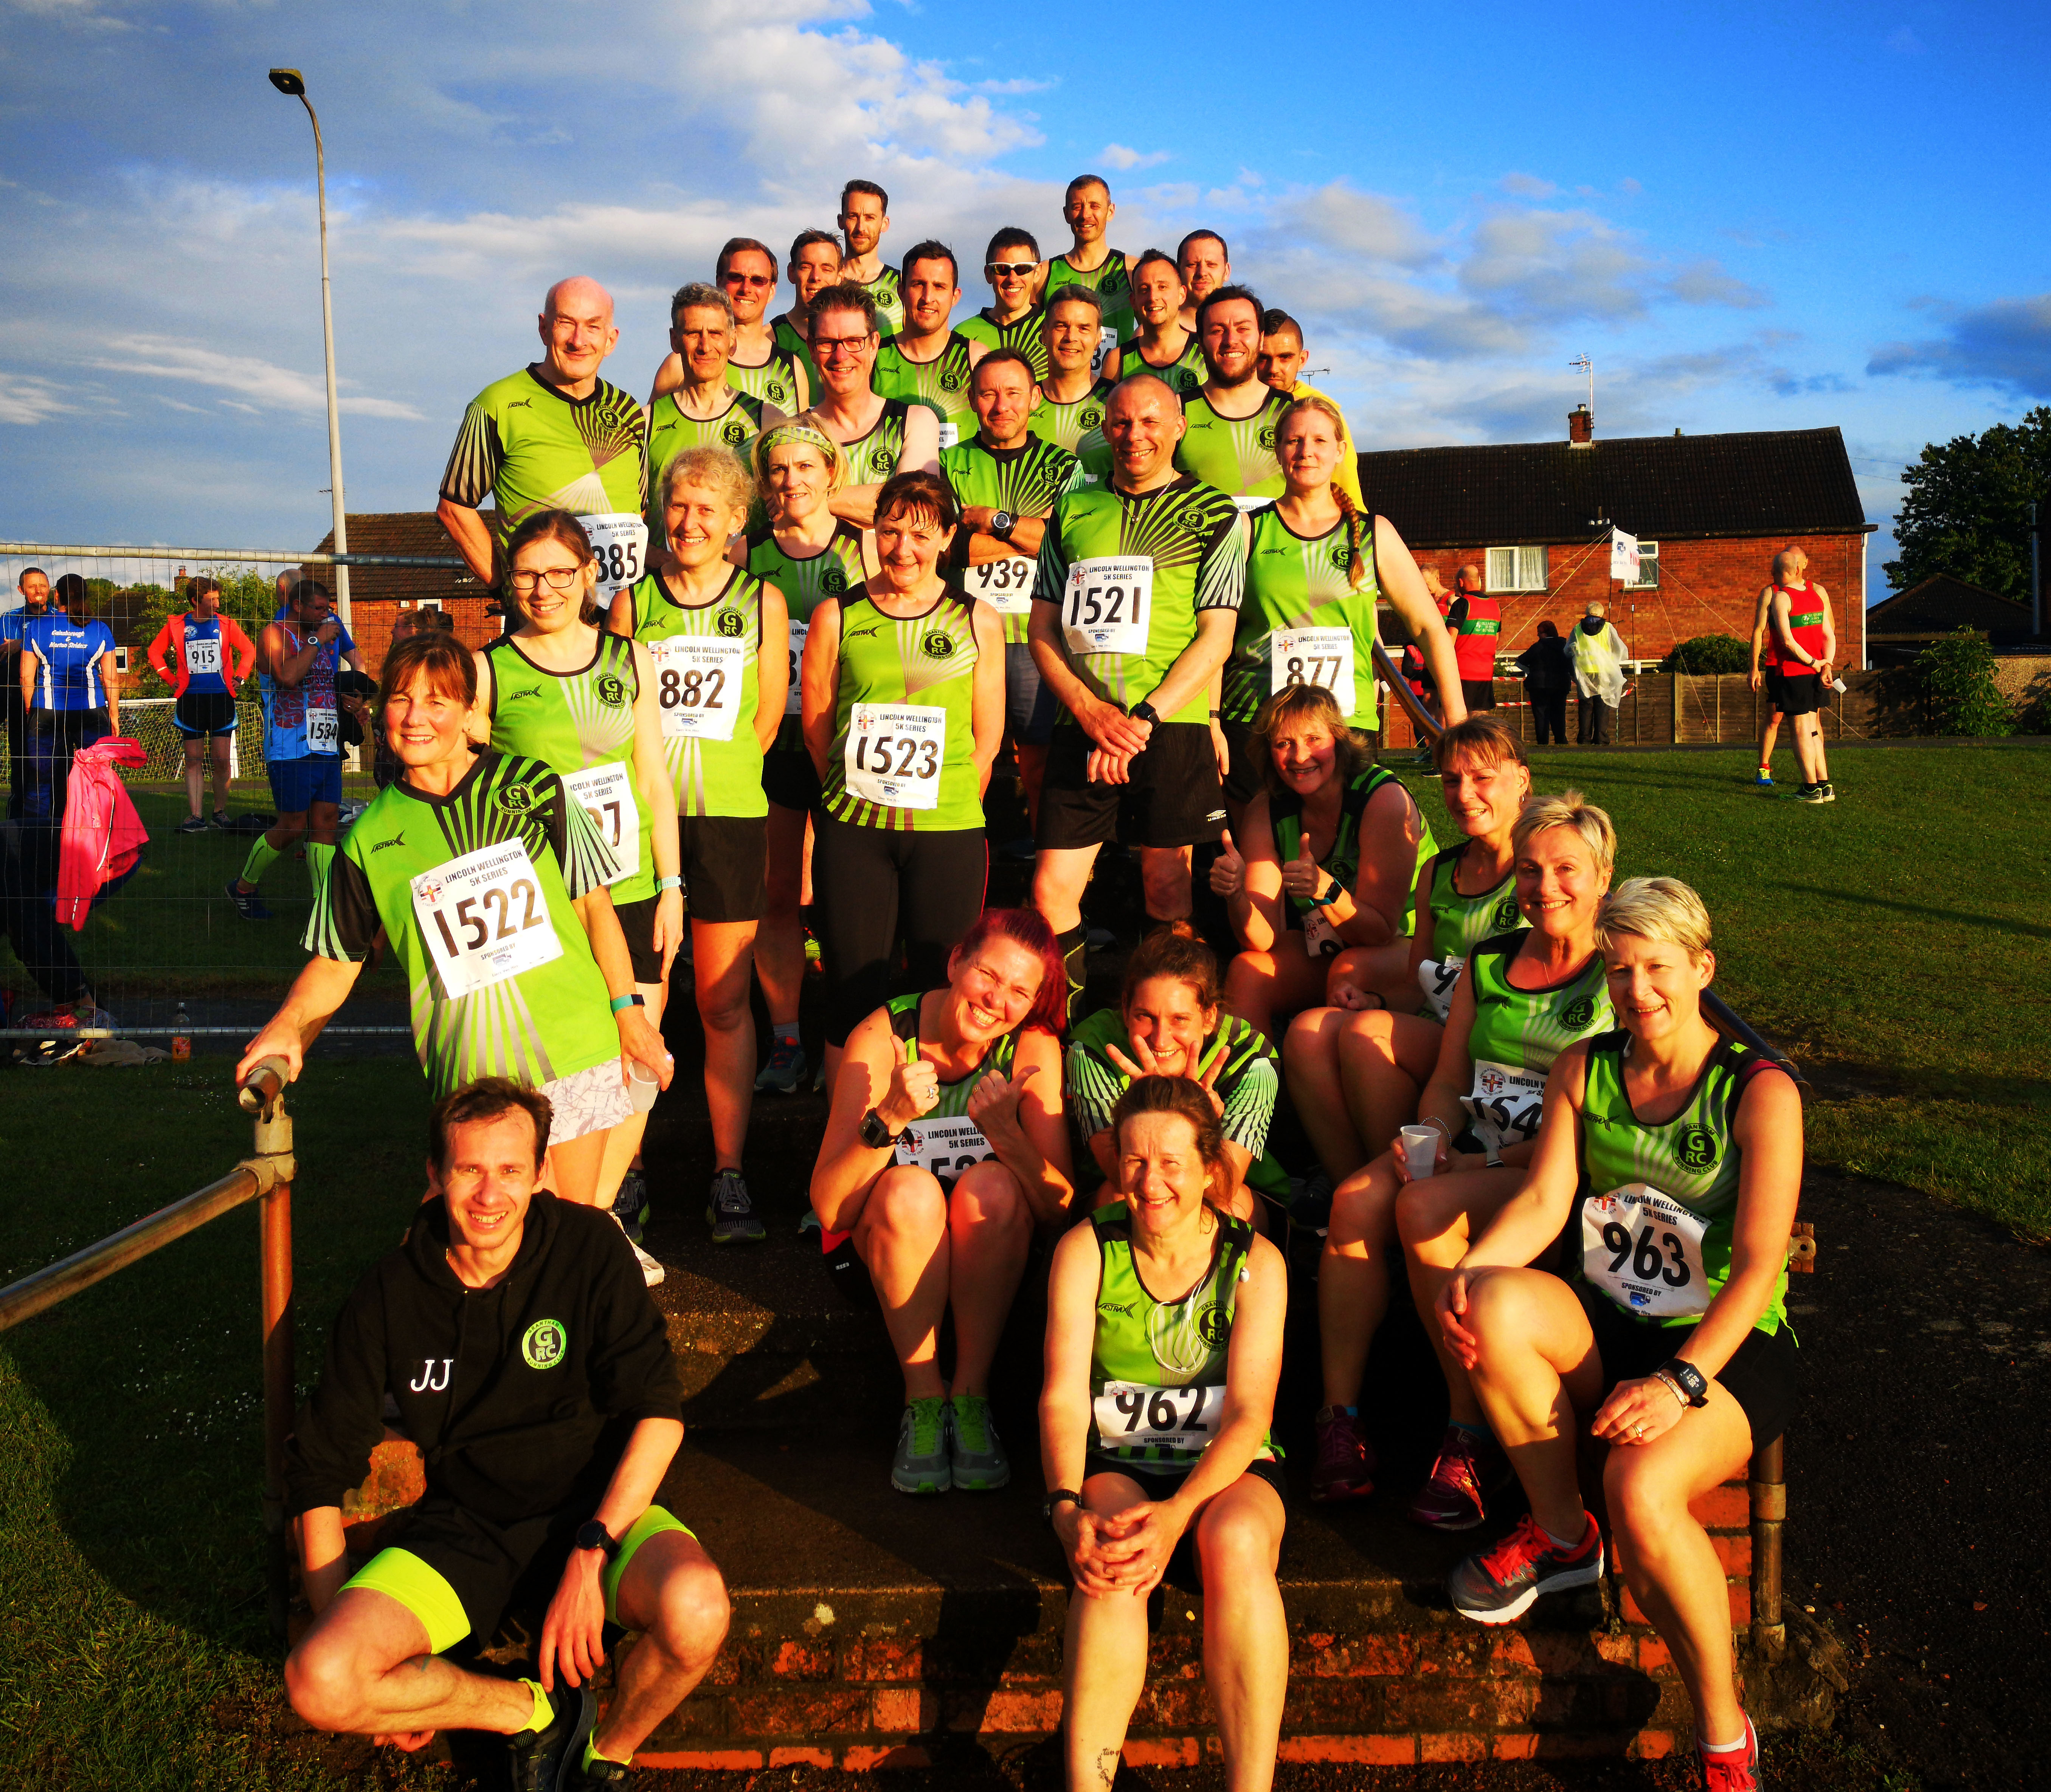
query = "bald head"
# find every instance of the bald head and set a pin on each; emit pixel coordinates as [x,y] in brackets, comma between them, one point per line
[1789,563]
[577,333]
[1142,423]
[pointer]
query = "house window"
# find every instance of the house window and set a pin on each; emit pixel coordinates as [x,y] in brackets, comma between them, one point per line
[1516,569]
[1648,568]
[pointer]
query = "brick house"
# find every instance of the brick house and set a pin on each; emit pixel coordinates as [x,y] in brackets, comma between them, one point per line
[377,593]
[1900,627]
[1710,511]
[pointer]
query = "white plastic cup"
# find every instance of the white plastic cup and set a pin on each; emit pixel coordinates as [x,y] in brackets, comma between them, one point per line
[1838,685]
[642,1086]
[1420,1150]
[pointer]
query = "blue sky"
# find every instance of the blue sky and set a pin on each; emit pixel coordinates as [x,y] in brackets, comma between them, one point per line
[1750,217]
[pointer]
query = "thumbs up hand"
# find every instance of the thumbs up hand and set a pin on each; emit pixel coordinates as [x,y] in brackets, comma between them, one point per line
[1302,876]
[1228,869]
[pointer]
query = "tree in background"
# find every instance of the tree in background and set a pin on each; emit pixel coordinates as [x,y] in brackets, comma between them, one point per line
[1967,509]
[1708,653]
[247,596]
[1959,686]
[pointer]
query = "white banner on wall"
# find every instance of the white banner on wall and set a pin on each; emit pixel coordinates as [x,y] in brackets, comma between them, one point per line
[1623,556]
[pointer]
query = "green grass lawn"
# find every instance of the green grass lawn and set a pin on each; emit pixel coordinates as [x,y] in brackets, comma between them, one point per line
[1894,941]
[171,931]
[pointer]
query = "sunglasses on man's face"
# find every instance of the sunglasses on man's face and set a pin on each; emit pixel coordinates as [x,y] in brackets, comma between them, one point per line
[751,279]
[1002,269]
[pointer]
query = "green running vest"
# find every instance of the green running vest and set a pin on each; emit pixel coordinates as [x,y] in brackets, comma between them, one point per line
[1294,582]
[709,776]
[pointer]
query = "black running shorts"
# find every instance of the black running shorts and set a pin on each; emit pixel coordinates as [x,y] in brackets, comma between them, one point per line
[1760,1376]
[1175,798]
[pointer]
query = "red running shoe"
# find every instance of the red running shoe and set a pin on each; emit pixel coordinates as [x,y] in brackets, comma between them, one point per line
[1469,1465]
[1344,1466]
[1736,1770]
[1493,1586]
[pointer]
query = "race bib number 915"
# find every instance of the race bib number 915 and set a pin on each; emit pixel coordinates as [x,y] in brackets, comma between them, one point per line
[1644,1250]
[1132,1416]
[484,918]
[203,656]
[1108,603]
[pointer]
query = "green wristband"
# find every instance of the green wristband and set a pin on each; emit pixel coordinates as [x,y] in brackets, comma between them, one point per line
[621,1004]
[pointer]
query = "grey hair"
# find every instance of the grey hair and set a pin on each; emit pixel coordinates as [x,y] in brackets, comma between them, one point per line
[698,295]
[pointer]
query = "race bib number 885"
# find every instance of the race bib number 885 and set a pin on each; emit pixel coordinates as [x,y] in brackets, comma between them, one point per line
[619,542]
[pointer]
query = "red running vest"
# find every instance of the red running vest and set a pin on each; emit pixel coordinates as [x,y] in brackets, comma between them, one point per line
[1805,622]
[1479,636]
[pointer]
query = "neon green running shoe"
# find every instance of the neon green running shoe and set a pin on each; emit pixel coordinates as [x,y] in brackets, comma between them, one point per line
[921,1464]
[980,1464]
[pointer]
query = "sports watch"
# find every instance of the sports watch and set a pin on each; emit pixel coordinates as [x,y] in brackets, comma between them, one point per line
[592,1535]
[1001,523]
[1145,712]
[1059,1497]
[875,1134]
[1334,890]
[1685,1378]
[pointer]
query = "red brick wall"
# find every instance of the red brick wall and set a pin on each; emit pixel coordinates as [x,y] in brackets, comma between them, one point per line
[371,624]
[1705,587]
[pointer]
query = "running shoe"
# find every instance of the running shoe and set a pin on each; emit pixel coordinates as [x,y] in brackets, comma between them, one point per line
[1829,791]
[652,1272]
[542,1760]
[785,1070]
[599,1772]
[1763,779]
[1344,1469]
[1452,1497]
[730,1213]
[250,907]
[630,1206]
[979,1462]
[1816,793]
[191,825]
[921,1465]
[1734,1770]
[1493,1586]
[220,818]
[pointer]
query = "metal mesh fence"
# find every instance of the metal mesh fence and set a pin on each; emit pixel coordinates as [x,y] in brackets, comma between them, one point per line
[171,935]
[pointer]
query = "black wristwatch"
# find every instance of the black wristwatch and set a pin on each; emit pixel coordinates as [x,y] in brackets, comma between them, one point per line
[1061,1495]
[875,1134]
[592,1535]
[1145,712]
[1687,1378]
[1333,891]
[1001,523]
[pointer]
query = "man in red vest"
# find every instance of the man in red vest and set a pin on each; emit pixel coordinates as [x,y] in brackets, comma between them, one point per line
[1476,620]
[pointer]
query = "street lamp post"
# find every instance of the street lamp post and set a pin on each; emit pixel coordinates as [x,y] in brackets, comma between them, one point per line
[289,82]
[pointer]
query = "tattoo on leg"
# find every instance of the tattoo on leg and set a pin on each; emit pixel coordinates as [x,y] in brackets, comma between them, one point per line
[419,1664]
[1107,1764]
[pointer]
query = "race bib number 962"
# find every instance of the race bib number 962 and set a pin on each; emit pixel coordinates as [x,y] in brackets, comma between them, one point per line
[1644,1250]
[1132,1416]
[1107,604]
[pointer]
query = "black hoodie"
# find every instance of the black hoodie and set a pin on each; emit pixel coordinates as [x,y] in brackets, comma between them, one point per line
[520,1397]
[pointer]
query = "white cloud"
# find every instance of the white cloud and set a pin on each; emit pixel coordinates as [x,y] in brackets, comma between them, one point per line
[24,399]
[1124,160]
[270,386]
[1527,186]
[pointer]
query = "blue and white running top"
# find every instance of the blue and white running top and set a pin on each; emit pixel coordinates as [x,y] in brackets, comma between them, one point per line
[299,721]
[69,653]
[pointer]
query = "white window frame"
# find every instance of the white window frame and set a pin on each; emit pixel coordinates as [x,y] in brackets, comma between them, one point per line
[1523,571]
[1648,568]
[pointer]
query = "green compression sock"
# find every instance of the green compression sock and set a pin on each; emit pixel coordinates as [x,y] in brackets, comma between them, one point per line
[545,1707]
[262,855]
[320,857]
[592,1752]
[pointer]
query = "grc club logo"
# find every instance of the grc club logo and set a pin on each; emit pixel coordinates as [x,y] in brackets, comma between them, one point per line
[516,800]
[1342,555]
[1266,438]
[937,646]
[881,460]
[733,433]
[1697,1149]
[611,690]
[1089,416]
[1579,1012]
[1505,914]
[951,382]
[544,1344]
[833,581]
[777,393]
[729,624]
[1214,1328]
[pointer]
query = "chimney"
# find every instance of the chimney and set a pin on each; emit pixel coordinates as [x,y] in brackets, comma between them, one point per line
[1581,427]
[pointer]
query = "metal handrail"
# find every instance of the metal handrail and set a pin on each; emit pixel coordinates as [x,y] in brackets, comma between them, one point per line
[264,556]
[265,1176]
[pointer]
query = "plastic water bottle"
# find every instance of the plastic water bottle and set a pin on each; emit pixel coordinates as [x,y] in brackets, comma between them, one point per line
[182,1040]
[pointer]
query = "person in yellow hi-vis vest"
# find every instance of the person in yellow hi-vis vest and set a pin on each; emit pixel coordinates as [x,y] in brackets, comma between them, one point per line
[1598,672]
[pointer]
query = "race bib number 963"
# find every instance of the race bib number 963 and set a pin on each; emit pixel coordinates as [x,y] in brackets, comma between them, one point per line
[1107,604]
[1644,1250]
[1131,1415]
[484,918]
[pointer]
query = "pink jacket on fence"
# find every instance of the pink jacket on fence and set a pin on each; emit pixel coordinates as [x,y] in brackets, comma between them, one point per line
[103,835]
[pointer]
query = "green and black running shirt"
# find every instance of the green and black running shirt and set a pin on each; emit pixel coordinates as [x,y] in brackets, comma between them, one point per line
[1073,426]
[473,890]
[1656,1223]
[872,458]
[1109,280]
[834,570]
[1024,481]
[1185,375]
[670,432]
[1461,922]
[707,657]
[1235,454]
[1024,333]
[1167,554]
[904,744]
[524,446]
[1247,1082]
[773,382]
[580,725]
[1157,1367]
[1295,583]
[1517,1034]
[941,384]
[795,349]
[1285,816]
[888,293]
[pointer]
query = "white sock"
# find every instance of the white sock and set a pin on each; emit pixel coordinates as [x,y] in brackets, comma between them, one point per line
[1568,1545]
[1738,1747]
